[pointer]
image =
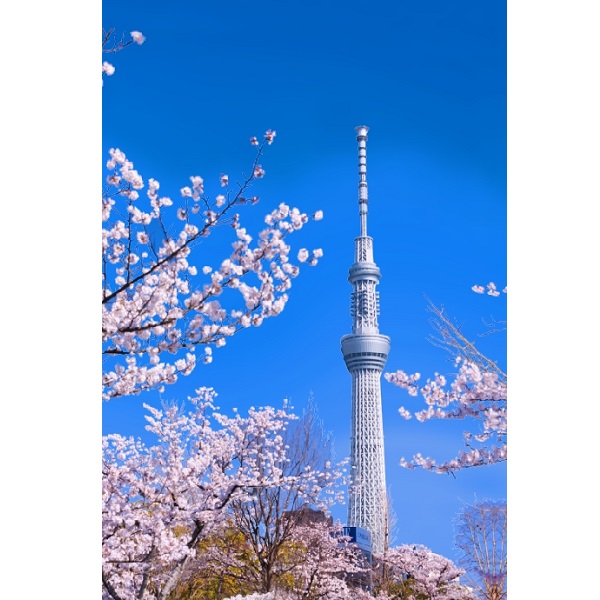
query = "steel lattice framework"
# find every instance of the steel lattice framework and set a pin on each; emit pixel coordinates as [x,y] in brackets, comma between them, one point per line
[365,352]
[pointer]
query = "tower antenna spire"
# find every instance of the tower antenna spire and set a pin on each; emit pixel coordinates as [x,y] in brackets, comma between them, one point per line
[363,191]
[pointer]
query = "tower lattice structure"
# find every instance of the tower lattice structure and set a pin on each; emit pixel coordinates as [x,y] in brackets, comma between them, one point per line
[365,353]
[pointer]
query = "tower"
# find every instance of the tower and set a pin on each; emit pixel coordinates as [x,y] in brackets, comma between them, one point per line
[365,352]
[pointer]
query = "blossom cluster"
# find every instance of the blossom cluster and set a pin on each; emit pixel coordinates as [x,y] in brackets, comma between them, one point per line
[424,574]
[491,287]
[473,393]
[154,300]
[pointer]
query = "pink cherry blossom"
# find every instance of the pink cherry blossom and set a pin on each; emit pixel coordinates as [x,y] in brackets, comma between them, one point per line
[154,312]
[108,68]
[303,254]
[138,38]
[270,136]
[491,287]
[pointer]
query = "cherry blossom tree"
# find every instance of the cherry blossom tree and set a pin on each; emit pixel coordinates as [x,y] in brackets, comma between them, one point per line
[269,523]
[270,517]
[326,565]
[477,391]
[159,501]
[316,561]
[481,530]
[414,572]
[320,564]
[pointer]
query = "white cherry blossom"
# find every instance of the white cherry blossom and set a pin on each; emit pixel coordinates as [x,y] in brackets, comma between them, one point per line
[156,308]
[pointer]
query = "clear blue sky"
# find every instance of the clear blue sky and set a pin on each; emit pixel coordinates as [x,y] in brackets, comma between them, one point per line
[429,79]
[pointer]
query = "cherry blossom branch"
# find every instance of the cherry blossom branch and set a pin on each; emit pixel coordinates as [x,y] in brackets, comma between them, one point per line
[478,392]
[149,307]
[472,394]
[117,46]
[211,221]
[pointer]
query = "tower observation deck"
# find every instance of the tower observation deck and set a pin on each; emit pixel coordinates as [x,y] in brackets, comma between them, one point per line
[365,353]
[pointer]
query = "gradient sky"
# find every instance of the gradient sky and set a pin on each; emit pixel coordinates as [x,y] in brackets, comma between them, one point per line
[429,80]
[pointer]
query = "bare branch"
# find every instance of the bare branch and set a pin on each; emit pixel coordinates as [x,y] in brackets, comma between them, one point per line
[451,339]
[480,537]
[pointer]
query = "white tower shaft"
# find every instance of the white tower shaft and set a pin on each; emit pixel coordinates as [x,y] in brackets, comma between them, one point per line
[365,353]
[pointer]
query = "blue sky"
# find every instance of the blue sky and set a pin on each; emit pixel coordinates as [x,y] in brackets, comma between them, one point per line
[429,79]
[184,103]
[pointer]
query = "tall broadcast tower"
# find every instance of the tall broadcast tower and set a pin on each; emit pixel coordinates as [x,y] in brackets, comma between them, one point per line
[365,352]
